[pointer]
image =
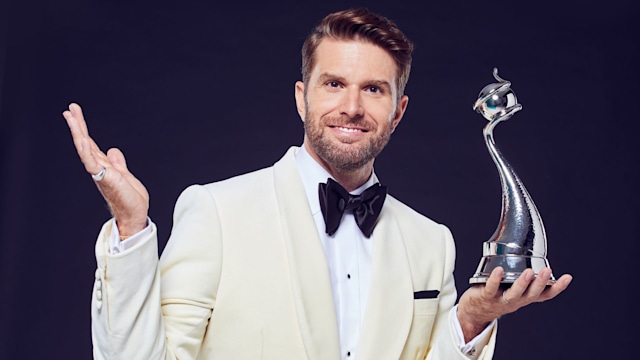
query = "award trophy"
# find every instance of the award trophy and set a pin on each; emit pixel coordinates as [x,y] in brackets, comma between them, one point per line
[519,242]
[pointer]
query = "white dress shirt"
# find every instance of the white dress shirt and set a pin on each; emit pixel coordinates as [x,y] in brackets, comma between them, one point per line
[349,256]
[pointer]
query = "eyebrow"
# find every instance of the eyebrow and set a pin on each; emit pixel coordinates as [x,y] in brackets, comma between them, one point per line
[329,76]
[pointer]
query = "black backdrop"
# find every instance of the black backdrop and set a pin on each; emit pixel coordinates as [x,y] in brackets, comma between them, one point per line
[196,92]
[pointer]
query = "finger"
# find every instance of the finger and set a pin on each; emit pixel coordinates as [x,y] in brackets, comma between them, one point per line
[561,285]
[493,283]
[564,281]
[83,146]
[91,155]
[521,284]
[99,154]
[72,122]
[88,151]
[539,284]
[81,140]
[77,113]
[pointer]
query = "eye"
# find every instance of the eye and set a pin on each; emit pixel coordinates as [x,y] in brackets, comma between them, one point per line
[333,84]
[374,89]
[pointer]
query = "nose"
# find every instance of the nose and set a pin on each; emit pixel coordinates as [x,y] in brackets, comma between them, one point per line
[351,105]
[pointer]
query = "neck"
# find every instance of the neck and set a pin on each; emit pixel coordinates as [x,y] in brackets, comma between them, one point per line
[350,179]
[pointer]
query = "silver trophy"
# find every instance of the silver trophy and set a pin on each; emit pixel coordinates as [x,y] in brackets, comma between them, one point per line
[520,241]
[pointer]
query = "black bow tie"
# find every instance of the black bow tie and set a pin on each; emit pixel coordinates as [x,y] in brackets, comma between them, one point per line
[334,200]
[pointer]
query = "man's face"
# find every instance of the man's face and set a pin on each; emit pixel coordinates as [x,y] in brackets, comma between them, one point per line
[349,105]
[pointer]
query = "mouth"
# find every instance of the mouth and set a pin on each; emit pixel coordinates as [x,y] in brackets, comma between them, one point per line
[349,129]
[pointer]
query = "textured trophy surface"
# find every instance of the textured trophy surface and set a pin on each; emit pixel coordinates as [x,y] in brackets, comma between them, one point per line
[519,241]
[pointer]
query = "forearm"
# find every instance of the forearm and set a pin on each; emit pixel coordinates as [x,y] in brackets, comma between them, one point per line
[448,340]
[126,315]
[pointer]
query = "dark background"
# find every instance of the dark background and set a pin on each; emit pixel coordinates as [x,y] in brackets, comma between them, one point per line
[194,93]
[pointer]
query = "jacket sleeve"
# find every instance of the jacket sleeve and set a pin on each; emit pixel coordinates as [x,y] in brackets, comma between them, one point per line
[145,308]
[443,343]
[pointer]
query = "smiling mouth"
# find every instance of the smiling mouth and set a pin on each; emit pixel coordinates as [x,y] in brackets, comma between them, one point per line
[349,130]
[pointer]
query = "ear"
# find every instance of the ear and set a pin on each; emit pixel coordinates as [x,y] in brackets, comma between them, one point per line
[300,104]
[400,109]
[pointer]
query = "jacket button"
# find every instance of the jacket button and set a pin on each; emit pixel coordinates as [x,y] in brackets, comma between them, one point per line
[98,288]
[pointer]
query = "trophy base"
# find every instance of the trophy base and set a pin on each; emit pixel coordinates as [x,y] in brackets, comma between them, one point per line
[513,266]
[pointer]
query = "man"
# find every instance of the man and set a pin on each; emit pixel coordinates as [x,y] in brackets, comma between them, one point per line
[258,266]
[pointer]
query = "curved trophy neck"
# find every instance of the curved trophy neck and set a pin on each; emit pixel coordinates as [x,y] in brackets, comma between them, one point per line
[520,230]
[519,242]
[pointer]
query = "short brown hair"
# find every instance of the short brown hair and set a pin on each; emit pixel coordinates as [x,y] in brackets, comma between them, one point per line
[361,24]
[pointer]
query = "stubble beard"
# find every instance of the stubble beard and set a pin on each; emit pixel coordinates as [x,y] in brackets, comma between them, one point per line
[344,156]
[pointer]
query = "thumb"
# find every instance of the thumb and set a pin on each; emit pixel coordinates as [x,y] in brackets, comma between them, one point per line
[116,158]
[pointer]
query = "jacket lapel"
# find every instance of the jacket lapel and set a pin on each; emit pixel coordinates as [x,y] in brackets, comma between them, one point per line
[310,279]
[389,311]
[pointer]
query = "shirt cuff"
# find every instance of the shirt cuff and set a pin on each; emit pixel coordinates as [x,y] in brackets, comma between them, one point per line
[474,347]
[116,246]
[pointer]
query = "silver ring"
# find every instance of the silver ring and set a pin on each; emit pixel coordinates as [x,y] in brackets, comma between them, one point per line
[504,298]
[99,176]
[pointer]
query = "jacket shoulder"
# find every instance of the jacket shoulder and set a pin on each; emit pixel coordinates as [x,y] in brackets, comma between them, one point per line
[410,217]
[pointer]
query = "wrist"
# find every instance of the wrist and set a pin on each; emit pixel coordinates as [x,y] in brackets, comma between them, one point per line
[126,229]
[471,325]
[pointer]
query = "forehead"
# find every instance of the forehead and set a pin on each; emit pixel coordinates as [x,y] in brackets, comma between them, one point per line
[354,59]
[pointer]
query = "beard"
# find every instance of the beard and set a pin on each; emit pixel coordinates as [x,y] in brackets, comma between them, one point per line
[345,155]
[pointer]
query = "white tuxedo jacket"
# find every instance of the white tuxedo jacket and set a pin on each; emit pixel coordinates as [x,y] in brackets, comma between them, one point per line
[244,276]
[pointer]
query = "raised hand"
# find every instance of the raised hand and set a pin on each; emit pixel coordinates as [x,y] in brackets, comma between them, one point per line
[126,196]
[481,304]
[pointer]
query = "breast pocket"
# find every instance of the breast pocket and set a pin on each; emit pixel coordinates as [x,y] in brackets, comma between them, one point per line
[424,313]
[425,307]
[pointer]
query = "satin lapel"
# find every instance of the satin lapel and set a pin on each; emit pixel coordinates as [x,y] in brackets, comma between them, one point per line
[309,270]
[389,312]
